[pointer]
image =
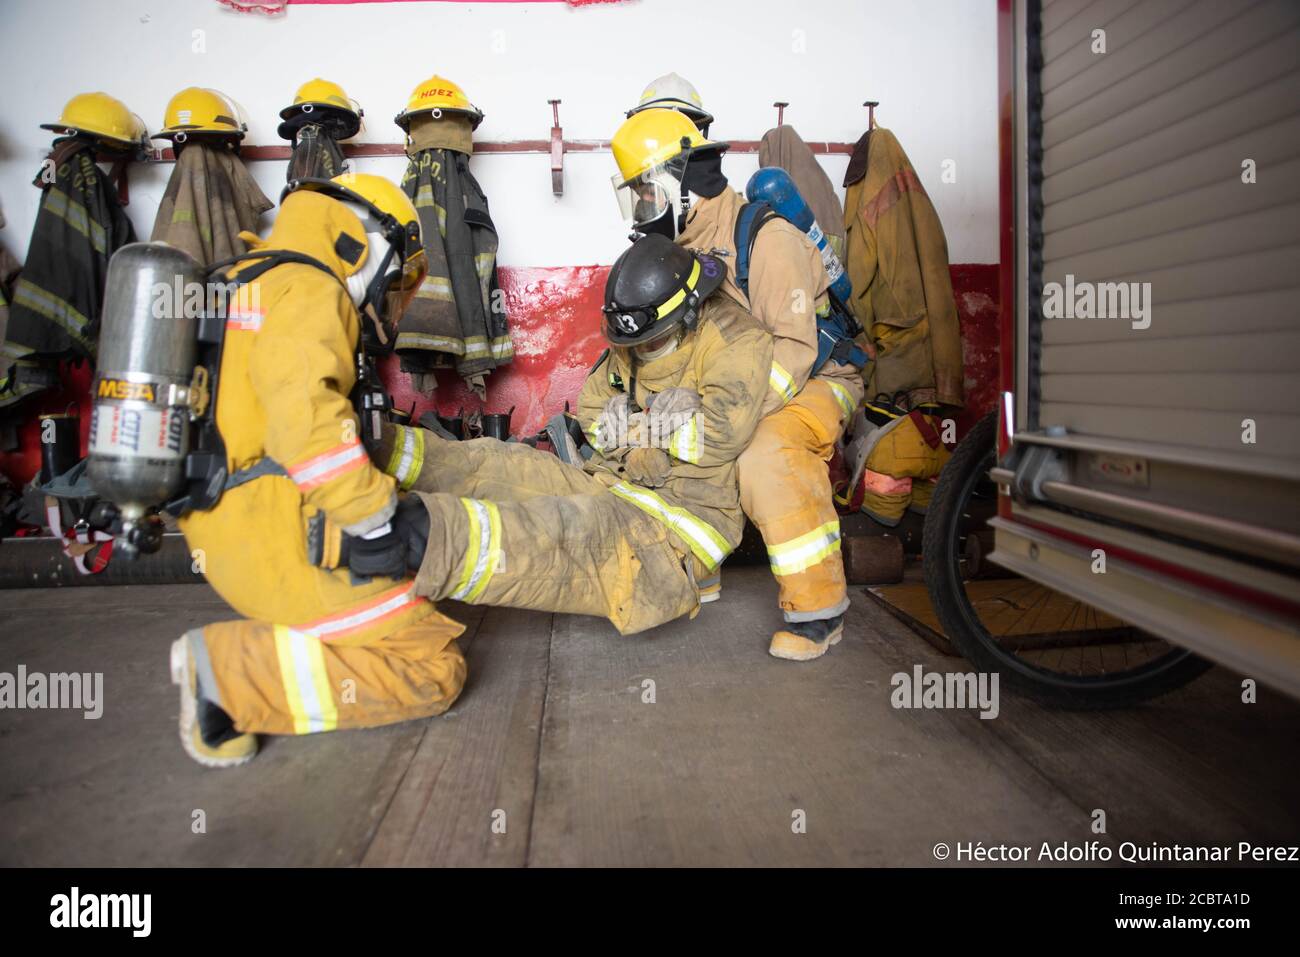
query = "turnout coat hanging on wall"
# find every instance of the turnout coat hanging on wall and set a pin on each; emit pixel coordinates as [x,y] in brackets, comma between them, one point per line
[897,259]
[80,224]
[458,317]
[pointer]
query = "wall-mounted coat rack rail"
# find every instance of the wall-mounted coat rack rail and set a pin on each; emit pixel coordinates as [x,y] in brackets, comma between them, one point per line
[260,153]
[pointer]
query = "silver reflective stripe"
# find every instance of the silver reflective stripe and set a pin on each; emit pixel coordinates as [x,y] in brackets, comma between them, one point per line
[842,395]
[685,445]
[781,381]
[480,561]
[704,541]
[420,340]
[408,457]
[807,550]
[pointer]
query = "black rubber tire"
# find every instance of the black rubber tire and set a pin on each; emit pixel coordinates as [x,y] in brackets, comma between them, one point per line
[973,457]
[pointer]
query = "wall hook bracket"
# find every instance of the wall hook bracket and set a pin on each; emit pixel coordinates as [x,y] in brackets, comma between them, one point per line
[557,150]
[871,113]
[780,111]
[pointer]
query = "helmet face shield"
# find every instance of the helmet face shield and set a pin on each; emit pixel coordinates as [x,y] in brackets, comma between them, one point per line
[405,284]
[648,197]
[389,295]
[394,290]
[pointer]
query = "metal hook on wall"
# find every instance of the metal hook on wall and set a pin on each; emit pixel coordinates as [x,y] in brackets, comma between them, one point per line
[871,113]
[557,150]
[780,111]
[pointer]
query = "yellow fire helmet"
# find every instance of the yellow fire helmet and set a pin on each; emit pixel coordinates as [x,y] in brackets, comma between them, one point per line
[436,96]
[392,214]
[651,138]
[323,100]
[207,113]
[674,92]
[102,117]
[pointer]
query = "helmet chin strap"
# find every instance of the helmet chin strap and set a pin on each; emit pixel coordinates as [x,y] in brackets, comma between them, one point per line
[683,208]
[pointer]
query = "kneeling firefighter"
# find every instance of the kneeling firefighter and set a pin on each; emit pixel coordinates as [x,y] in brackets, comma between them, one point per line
[670,182]
[334,636]
[654,510]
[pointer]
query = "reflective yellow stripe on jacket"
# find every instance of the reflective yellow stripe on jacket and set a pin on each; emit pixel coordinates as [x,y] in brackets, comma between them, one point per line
[703,539]
[685,443]
[782,382]
[407,458]
[809,549]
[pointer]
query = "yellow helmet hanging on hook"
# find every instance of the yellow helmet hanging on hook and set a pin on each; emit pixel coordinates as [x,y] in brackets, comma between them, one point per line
[103,117]
[195,110]
[327,100]
[436,96]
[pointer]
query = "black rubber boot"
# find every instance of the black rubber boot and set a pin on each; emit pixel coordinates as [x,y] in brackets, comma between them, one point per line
[806,640]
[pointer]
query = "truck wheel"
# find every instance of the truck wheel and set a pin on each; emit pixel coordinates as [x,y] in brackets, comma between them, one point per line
[1060,651]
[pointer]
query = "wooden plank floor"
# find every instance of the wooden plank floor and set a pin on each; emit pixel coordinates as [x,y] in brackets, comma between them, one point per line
[559,754]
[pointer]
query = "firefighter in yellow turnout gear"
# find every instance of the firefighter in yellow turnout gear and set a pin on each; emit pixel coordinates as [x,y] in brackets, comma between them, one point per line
[320,646]
[670,182]
[668,409]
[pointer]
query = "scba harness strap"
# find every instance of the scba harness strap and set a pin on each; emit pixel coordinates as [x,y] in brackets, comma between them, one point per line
[835,331]
[205,465]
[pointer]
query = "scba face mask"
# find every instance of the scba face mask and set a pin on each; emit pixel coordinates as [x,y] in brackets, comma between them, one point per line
[385,284]
[654,202]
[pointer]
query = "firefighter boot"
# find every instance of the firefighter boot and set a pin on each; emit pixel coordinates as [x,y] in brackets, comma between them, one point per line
[207,734]
[806,640]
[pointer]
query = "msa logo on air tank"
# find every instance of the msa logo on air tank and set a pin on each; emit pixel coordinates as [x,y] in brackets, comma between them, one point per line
[121,389]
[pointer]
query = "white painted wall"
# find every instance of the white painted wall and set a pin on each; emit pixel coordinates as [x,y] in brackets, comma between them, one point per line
[931,63]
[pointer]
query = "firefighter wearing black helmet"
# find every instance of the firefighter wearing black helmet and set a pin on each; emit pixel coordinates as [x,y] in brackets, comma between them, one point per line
[656,506]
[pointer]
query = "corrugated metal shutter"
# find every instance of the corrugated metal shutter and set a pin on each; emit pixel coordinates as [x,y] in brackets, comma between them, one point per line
[1143,147]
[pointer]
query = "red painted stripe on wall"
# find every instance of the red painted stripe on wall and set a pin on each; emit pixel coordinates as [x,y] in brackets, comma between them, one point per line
[554,320]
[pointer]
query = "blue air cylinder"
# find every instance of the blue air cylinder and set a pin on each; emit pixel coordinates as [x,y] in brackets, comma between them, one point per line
[773,185]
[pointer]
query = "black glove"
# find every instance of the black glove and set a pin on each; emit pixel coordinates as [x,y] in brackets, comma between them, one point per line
[411,521]
[396,551]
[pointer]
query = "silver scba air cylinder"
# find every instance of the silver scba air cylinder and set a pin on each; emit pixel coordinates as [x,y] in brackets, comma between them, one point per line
[146,387]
